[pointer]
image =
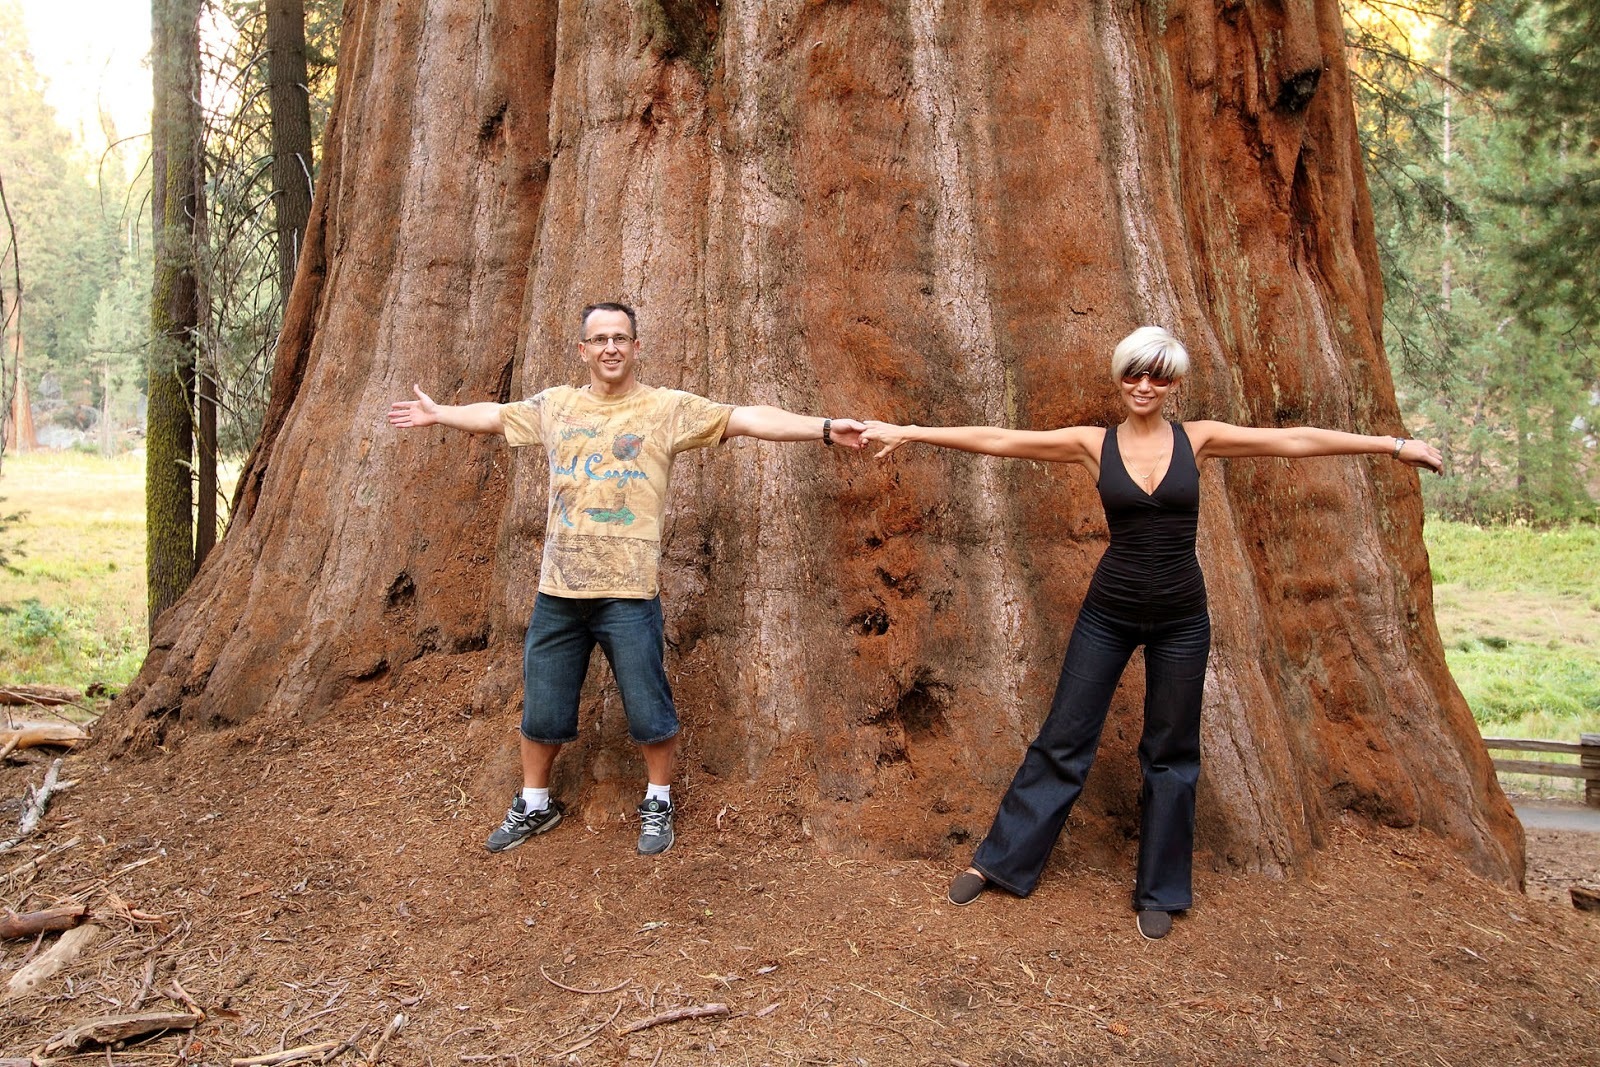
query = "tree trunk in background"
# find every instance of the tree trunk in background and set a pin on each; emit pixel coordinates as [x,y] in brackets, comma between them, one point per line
[928,211]
[174,308]
[290,103]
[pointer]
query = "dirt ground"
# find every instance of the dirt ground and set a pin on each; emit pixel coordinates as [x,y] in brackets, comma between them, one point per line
[313,883]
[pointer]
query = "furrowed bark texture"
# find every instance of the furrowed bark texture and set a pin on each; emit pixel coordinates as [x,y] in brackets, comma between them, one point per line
[926,211]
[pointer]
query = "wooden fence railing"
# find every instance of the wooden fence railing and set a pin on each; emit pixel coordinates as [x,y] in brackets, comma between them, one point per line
[1586,748]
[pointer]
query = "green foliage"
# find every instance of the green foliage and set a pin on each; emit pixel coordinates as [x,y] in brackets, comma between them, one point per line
[32,623]
[238,261]
[1492,362]
[1561,560]
[1519,611]
[1541,60]
[72,609]
[74,242]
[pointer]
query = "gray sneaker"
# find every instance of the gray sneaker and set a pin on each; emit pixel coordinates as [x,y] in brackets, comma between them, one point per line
[522,824]
[655,837]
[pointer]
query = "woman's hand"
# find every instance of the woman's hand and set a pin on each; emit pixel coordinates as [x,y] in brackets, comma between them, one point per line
[887,434]
[1421,454]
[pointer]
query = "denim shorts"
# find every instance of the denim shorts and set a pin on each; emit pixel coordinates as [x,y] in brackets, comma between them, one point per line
[555,658]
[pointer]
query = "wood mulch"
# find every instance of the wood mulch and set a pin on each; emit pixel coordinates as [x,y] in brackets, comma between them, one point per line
[320,893]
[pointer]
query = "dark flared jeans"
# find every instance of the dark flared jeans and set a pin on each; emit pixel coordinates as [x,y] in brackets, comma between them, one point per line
[1052,774]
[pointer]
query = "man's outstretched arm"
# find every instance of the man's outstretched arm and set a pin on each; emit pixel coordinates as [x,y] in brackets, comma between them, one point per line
[473,418]
[775,424]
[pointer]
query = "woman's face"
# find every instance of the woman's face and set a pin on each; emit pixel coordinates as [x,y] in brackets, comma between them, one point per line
[1143,393]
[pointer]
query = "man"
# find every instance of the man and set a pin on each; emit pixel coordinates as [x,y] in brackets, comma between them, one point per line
[610,446]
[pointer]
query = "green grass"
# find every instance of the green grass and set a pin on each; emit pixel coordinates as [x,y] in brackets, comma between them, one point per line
[72,612]
[1519,613]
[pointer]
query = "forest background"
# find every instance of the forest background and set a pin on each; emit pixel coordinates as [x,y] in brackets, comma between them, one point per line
[1479,126]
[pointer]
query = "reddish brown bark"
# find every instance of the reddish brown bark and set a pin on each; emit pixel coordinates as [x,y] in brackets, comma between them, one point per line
[937,212]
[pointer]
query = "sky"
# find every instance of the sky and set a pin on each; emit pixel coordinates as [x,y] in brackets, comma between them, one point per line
[93,55]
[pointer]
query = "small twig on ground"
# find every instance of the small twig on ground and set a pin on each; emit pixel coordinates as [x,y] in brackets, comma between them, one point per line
[394,1028]
[585,992]
[288,1055]
[149,980]
[676,1015]
[181,994]
[590,1036]
[37,862]
[349,1043]
[34,808]
[899,1005]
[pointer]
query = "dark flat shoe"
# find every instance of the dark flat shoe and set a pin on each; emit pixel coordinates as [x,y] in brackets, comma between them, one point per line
[966,887]
[1153,925]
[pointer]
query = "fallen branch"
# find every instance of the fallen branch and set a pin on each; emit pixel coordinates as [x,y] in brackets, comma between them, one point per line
[35,734]
[39,696]
[394,1028]
[288,1055]
[675,1015]
[585,992]
[37,862]
[49,962]
[31,923]
[112,1028]
[34,807]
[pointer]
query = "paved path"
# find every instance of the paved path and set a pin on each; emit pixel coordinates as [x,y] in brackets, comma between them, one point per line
[1559,817]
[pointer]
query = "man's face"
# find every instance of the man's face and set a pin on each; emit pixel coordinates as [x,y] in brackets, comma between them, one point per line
[609,349]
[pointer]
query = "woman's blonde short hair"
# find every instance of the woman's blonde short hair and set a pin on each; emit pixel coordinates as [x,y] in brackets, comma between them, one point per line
[1152,349]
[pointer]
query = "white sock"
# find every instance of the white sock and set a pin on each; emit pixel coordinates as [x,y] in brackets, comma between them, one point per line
[658,792]
[535,799]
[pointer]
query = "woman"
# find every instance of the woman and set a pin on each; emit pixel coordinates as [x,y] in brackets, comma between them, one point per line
[1147,590]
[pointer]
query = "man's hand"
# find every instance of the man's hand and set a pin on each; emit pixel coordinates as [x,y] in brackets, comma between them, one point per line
[847,432]
[887,434]
[419,412]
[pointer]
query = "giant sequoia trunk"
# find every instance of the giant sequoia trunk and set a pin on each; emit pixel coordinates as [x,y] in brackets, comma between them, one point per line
[928,211]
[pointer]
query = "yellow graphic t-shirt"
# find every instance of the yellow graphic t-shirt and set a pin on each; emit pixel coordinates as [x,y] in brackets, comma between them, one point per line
[610,460]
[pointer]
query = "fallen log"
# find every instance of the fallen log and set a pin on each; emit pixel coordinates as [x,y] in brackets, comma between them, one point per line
[35,734]
[51,961]
[112,1028]
[39,696]
[32,923]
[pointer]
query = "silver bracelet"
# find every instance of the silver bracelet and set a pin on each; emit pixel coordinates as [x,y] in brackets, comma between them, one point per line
[1399,443]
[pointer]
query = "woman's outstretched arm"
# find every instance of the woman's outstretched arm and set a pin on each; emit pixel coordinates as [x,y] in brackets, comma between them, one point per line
[1295,442]
[1070,444]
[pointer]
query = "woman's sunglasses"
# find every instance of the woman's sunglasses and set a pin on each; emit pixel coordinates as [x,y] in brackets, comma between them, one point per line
[1157,380]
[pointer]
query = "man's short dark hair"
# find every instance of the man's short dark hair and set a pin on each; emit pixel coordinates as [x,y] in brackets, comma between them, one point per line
[609,305]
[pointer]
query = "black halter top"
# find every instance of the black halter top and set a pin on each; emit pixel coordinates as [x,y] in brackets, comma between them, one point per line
[1149,572]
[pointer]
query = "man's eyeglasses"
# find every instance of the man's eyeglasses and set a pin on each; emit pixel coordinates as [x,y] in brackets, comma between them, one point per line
[599,343]
[1159,381]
